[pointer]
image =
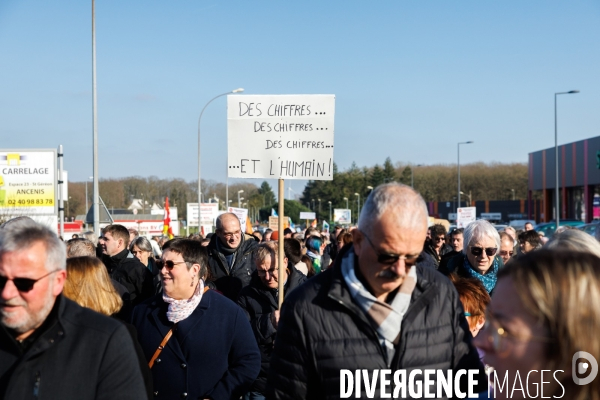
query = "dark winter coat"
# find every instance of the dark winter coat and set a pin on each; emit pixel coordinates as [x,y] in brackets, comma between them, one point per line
[131,273]
[231,281]
[322,330]
[212,353]
[259,302]
[437,258]
[80,355]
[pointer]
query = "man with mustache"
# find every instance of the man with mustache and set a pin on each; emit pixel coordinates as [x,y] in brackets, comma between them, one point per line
[50,347]
[375,308]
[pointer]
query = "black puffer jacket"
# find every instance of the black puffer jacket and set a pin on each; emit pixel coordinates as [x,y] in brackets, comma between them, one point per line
[259,302]
[322,330]
[131,273]
[230,282]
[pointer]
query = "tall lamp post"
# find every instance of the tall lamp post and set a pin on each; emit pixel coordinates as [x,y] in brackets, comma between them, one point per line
[458,163]
[329,211]
[239,90]
[345,198]
[556,155]
[357,206]
[239,191]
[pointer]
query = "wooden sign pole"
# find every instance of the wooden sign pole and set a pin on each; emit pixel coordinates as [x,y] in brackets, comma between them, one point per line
[281,238]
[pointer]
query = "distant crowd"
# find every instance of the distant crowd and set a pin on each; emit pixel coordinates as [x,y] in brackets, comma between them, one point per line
[122,316]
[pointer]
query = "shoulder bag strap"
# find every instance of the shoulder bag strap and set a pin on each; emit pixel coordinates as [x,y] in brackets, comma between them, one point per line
[161,347]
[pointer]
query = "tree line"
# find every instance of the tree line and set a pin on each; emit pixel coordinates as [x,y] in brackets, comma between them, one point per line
[435,183]
[438,182]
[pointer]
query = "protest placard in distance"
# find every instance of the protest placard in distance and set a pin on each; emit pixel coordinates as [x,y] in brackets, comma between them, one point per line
[280,136]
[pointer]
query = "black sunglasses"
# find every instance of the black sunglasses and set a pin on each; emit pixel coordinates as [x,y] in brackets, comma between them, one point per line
[168,264]
[489,251]
[23,285]
[389,258]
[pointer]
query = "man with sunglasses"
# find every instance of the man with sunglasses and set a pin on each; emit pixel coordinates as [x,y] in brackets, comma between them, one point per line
[50,347]
[436,245]
[375,308]
[230,256]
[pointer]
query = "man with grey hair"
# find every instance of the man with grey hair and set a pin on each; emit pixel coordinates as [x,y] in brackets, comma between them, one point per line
[375,309]
[46,338]
[231,256]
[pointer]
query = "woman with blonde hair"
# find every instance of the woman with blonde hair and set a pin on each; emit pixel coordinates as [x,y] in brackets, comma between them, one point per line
[542,319]
[89,285]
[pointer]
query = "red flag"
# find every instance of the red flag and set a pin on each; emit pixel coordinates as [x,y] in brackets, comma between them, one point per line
[167,221]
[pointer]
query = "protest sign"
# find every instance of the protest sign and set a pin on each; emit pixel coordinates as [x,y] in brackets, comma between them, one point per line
[464,216]
[209,213]
[241,213]
[307,215]
[280,136]
[342,216]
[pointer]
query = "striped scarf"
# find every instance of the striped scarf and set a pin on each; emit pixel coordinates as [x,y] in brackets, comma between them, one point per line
[386,319]
[181,309]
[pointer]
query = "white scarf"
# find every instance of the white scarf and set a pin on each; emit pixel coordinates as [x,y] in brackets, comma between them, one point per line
[181,309]
[385,318]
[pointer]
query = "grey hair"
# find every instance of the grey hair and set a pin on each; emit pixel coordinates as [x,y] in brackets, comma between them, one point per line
[91,236]
[142,243]
[16,220]
[23,235]
[478,230]
[574,240]
[219,224]
[406,204]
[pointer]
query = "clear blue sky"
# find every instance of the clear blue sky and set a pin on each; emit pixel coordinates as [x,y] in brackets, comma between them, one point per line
[411,78]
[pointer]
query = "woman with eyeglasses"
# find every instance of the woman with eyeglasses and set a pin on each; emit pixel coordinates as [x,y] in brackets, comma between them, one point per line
[260,302]
[544,314]
[198,344]
[479,258]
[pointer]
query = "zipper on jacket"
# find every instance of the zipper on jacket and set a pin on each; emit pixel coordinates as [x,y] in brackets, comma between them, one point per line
[381,350]
[36,385]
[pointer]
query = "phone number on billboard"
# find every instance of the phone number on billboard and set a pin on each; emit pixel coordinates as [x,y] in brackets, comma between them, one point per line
[31,202]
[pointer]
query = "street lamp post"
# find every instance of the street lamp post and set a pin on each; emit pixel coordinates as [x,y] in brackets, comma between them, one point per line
[458,164]
[329,211]
[313,204]
[470,199]
[239,90]
[239,191]
[357,206]
[556,155]
[319,200]
[345,198]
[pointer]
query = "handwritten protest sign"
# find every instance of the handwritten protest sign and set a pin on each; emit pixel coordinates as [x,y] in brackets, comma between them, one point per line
[280,136]
[465,216]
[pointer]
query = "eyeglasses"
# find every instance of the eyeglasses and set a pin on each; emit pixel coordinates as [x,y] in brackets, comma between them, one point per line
[230,235]
[23,285]
[506,253]
[439,238]
[390,258]
[499,337]
[262,272]
[489,251]
[167,264]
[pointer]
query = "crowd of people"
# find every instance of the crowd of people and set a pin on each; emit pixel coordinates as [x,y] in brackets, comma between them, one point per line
[123,317]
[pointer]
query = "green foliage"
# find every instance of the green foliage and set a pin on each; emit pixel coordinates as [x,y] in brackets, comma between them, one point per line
[377,176]
[292,209]
[389,172]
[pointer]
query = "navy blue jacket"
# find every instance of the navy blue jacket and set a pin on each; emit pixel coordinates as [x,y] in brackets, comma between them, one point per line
[212,353]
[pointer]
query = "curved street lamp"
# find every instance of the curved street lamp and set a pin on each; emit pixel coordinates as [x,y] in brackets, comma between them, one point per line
[239,90]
